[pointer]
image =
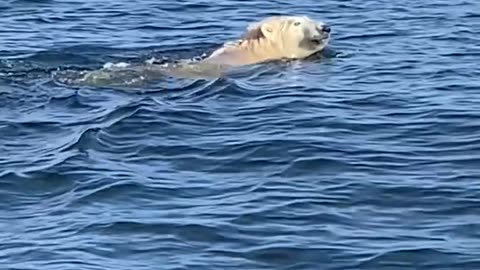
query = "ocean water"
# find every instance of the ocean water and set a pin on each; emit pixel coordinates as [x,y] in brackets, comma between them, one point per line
[367,157]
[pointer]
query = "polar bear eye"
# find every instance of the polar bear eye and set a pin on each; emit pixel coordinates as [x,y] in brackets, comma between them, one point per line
[296,23]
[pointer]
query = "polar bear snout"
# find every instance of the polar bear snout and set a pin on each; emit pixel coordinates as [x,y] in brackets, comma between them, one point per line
[322,32]
[325,28]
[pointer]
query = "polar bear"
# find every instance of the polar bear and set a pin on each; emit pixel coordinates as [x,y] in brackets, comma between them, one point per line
[274,38]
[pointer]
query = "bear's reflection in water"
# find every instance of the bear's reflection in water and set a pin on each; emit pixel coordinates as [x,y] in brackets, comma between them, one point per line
[149,71]
[140,74]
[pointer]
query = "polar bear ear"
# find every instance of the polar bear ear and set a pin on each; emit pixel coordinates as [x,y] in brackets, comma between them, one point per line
[253,32]
[269,29]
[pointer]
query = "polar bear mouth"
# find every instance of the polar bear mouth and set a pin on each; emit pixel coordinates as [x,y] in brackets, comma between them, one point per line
[319,40]
[316,41]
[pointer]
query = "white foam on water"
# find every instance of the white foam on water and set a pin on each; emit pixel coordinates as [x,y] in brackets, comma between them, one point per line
[110,65]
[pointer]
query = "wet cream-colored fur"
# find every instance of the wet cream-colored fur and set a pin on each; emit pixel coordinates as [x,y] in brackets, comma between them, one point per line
[274,38]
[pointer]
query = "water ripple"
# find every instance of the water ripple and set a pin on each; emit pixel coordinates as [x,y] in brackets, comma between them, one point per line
[362,157]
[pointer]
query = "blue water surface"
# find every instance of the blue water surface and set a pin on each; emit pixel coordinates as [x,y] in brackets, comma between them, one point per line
[365,158]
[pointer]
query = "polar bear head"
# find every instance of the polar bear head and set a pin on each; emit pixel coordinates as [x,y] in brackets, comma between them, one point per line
[294,36]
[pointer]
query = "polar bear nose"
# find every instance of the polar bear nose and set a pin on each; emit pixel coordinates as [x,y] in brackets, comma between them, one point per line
[326,28]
